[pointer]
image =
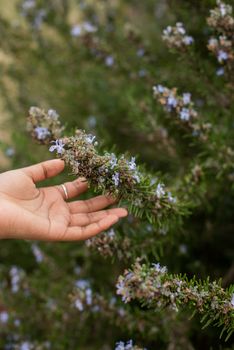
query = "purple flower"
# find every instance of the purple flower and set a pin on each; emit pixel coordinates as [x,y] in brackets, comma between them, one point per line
[58,146]
[185,114]
[89,298]
[79,305]
[113,161]
[171,199]
[132,164]
[223,9]
[159,88]
[180,28]
[90,138]
[109,61]
[172,101]
[159,268]
[115,178]
[82,284]
[37,253]
[76,30]
[186,98]
[167,30]
[53,114]
[160,192]
[222,56]
[41,133]
[4,317]
[188,40]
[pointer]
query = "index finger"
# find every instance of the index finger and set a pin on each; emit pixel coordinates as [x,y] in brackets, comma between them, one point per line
[90,205]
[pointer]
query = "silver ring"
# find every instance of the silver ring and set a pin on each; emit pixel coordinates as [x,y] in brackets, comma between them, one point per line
[65,191]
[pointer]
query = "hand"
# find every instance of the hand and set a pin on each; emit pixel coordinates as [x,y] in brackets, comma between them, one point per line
[28,212]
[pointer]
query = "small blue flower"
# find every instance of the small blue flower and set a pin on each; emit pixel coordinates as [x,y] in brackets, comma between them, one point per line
[132,164]
[58,146]
[188,40]
[4,317]
[186,98]
[159,88]
[115,178]
[82,284]
[37,253]
[185,114]
[223,9]
[109,61]
[90,138]
[120,346]
[79,305]
[222,56]
[160,192]
[89,298]
[167,31]
[172,101]
[159,268]
[113,160]
[41,133]
[180,28]
[76,30]
[25,346]
[53,114]
[171,199]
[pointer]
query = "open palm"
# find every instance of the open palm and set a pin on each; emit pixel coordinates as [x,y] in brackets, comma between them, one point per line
[43,213]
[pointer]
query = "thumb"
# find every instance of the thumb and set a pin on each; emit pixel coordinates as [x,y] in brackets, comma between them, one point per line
[44,170]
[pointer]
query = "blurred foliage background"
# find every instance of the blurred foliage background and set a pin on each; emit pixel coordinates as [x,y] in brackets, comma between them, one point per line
[95,62]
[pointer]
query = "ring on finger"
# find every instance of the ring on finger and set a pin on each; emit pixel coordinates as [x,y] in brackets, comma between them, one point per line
[65,190]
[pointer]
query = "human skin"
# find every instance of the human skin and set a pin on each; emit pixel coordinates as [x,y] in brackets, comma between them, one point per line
[29,212]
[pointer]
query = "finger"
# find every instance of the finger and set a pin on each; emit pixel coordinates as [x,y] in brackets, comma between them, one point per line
[81,233]
[73,188]
[89,218]
[44,170]
[90,205]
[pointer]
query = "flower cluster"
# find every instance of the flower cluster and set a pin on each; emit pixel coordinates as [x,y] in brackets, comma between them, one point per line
[44,126]
[222,20]
[84,295]
[16,276]
[108,245]
[82,28]
[221,17]
[156,288]
[182,108]
[106,173]
[83,298]
[176,37]
[127,346]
